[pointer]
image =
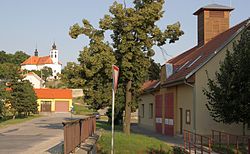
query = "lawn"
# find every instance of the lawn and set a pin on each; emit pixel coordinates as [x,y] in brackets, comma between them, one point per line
[8,122]
[133,144]
[80,108]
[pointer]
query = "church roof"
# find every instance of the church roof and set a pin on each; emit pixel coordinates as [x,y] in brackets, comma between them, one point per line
[34,60]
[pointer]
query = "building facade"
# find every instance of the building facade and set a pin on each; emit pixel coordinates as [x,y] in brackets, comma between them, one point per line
[179,103]
[54,100]
[35,80]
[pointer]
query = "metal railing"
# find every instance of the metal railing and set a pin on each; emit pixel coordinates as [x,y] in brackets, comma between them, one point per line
[196,143]
[77,131]
[227,139]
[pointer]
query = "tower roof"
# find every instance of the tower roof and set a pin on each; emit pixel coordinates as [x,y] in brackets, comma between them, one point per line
[214,7]
[36,52]
[54,46]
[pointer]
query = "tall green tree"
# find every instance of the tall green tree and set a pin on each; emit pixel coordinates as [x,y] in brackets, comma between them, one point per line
[134,33]
[23,98]
[71,75]
[229,93]
[19,57]
[154,71]
[46,72]
[9,72]
[3,99]
[96,61]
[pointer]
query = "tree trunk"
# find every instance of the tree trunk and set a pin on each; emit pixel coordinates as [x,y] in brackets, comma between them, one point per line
[126,125]
[244,128]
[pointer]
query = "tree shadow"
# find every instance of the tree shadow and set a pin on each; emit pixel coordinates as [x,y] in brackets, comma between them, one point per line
[52,126]
[174,140]
[57,149]
[106,126]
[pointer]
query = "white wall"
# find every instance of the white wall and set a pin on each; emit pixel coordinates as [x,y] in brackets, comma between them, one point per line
[36,83]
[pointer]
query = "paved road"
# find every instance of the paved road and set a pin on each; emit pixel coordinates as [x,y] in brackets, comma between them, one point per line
[41,135]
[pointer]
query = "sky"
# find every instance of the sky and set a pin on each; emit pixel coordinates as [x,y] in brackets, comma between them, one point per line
[28,24]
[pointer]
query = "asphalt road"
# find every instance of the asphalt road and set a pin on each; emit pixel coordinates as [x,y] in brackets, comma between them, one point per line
[41,135]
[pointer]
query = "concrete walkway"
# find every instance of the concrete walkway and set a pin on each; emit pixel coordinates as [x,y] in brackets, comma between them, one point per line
[173,141]
[40,135]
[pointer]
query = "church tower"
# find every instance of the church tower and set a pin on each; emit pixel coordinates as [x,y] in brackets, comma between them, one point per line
[36,52]
[54,54]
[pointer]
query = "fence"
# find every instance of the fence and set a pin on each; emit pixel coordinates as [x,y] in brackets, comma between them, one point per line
[77,131]
[227,140]
[196,143]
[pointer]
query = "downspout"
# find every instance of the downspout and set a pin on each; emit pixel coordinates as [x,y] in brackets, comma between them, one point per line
[194,105]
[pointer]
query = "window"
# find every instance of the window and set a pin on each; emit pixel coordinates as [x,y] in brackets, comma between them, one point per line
[142,110]
[188,117]
[151,110]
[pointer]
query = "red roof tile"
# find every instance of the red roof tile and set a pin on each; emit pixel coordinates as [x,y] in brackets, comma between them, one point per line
[34,60]
[53,93]
[199,55]
[150,84]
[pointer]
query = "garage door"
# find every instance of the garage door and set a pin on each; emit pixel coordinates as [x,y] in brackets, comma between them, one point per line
[62,106]
[46,106]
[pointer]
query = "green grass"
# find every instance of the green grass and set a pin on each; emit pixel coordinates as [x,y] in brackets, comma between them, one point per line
[8,122]
[80,109]
[133,144]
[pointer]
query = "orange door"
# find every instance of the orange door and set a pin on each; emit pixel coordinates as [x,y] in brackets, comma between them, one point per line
[62,106]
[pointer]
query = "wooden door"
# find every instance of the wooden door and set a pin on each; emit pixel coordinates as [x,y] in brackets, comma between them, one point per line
[169,114]
[46,106]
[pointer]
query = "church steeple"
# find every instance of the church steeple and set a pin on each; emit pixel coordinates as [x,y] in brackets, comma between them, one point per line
[36,52]
[54,46]
[54,54]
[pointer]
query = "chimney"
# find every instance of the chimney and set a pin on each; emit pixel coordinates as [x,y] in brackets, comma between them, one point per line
[212,20]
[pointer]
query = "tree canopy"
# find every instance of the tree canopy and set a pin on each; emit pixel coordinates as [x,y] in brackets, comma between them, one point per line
[93,73]
[133,33]
[17,58]
[23,98]
[229,93]
[20,97]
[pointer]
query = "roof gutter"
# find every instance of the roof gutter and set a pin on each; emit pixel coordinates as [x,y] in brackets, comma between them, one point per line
[173,83]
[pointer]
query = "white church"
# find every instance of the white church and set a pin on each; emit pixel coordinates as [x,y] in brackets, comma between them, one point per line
[37,63]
